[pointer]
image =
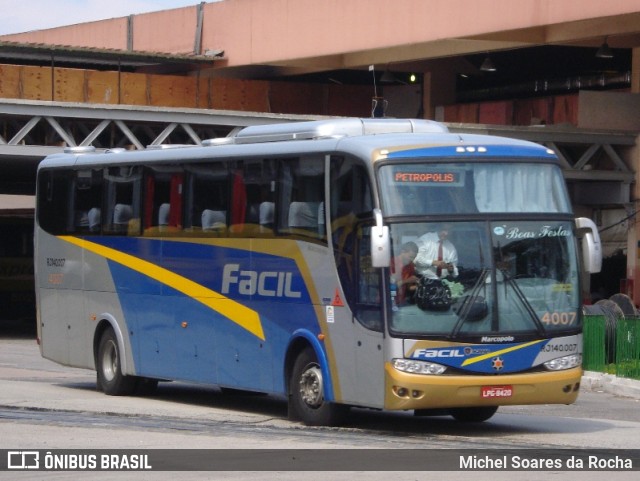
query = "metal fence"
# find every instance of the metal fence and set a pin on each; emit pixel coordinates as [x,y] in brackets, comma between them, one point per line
[594,351]
[628,348]
[612,346]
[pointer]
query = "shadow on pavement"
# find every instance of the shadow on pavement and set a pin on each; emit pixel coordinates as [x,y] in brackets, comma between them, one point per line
[18,329]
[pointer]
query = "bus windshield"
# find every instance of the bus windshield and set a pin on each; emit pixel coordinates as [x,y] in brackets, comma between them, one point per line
[498,277]
[493,275]
[465,188]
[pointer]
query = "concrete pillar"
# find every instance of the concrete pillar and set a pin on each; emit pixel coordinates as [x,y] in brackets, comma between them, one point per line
[633,248]
[428,109]
[635,70]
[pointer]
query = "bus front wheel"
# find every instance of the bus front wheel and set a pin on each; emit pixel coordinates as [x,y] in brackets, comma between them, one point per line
[110,378]
[306,394]
[473,415]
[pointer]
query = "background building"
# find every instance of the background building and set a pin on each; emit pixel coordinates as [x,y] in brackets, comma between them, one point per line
[565,73]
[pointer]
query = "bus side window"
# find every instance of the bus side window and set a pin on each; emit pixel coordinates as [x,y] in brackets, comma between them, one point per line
[122,215]
[253,193]
[123,199]
[213,219]
[207,190]
[351,200]
[304,215]
[301,197]
[369,297]
[55,210]
[162,213]
[87,200]
[265,214]
[94,219]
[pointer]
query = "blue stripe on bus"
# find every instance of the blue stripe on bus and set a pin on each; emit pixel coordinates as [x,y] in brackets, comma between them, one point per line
[187,259]
[491,151]
[176,336]
[485,358]
[234,311]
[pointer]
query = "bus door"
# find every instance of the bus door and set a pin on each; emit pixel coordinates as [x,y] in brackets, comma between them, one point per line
[368,323]
[361,339]
[358,329]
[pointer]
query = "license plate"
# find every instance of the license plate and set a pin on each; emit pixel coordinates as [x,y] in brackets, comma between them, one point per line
[496,391]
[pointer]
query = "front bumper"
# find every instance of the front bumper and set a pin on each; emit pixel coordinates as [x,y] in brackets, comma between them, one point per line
[404,391]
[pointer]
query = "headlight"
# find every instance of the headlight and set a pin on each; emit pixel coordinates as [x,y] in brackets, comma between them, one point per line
[566,362]
[418,367]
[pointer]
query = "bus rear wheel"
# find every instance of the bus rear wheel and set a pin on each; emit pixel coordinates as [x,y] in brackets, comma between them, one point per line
[110,378]
[473,415]
[306,394]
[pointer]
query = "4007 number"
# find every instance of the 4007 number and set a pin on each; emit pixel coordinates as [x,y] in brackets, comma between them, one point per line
[559,318]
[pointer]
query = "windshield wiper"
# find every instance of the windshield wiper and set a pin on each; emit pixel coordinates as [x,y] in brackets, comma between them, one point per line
[470,309]
[523,299]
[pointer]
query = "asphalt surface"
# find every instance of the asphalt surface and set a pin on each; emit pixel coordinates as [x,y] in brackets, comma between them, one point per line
[82,421]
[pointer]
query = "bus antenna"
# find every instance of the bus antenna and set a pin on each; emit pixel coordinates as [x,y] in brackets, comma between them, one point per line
[373,72]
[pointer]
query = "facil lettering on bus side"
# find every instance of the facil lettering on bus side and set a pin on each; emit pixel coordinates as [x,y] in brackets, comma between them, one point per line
[265,283]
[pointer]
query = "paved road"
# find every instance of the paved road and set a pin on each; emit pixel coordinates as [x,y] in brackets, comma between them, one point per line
[47,406]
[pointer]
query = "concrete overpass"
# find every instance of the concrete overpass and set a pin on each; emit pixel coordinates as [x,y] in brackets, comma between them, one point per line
[539,47]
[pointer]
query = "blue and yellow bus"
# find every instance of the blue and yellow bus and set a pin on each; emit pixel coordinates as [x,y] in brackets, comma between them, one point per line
[265,261]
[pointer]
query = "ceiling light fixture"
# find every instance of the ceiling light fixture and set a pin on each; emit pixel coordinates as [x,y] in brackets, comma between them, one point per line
[604,51]
[488,65]
[388,77]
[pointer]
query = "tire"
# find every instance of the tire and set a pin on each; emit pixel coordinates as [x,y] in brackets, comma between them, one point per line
[110,378]
[306,394]
[473,415]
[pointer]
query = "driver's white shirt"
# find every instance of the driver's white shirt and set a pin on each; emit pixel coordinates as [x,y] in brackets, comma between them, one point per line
[428,252]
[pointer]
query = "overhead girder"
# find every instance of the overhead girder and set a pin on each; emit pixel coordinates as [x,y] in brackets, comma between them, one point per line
[582,153]
[41,124]
[35,129]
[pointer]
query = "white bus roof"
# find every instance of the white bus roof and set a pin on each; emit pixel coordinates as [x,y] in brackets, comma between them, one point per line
[355,135]
[337,128]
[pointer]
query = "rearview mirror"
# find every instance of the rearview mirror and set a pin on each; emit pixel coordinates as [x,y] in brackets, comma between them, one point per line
[587,231]
[380,246]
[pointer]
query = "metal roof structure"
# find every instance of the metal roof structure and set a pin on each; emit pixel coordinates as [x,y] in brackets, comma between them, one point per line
[113,59]
[31,130]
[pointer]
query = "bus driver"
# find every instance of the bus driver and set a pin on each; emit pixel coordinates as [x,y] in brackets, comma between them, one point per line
[437,256]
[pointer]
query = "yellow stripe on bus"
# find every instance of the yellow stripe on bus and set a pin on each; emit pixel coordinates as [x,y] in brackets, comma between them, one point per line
[500,352]
[236,312]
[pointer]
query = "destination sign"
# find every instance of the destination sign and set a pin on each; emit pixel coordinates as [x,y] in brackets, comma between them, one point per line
[435,177]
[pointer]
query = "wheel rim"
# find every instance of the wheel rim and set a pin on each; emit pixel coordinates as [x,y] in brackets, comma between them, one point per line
[311,386]
[110,361]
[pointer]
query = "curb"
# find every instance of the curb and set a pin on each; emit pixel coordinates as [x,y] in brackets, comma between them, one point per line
[598,382]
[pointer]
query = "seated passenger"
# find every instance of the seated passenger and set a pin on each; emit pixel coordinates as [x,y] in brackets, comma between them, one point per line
[404,273]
